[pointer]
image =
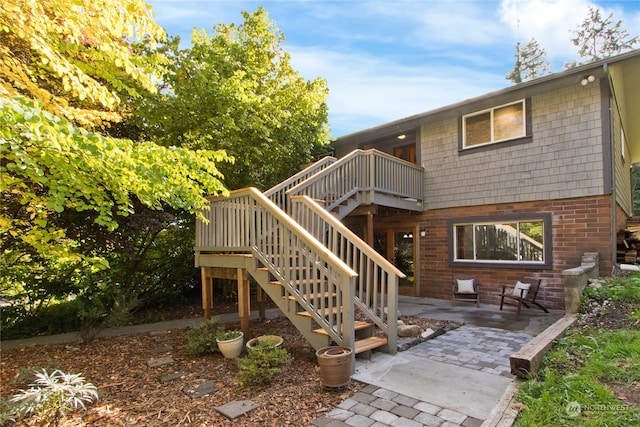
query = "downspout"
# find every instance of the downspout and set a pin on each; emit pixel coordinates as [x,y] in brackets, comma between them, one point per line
[611,150]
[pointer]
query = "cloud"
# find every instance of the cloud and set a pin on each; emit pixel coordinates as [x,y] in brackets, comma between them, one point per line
[553,22]
[385,60]
[366,90]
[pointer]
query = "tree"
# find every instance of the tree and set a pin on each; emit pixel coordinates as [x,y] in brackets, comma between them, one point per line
[65,190]
[76,57]
[531,62]
[597,38]
[236,90]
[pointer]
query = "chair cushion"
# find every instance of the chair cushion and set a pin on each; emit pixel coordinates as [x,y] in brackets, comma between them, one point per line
[465,286]
[524,286]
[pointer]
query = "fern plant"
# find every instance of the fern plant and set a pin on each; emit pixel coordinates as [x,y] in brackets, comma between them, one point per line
[53,395]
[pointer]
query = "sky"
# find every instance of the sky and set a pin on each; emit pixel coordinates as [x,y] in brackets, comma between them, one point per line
[387,60]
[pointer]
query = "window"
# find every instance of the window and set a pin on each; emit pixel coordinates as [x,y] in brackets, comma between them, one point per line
[508,241]
[494,125]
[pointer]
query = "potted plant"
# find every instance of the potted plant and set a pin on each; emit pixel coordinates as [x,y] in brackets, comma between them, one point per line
[230,343]
[268,340]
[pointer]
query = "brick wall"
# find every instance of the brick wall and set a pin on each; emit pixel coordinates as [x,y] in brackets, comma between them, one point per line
[578,226]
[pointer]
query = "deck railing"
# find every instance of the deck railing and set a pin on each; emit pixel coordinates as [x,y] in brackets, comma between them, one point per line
[248,221]
[361,175]
[376,290]
[278,193]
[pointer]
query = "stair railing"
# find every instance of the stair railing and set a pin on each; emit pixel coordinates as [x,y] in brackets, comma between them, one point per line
[376,290]
[248,221]
[360,175]
[278,193]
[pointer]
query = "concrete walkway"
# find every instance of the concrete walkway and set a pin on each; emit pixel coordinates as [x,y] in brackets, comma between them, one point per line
[461,378]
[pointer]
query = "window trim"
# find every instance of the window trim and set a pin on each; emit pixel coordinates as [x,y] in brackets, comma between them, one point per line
[546,219]
[527,137]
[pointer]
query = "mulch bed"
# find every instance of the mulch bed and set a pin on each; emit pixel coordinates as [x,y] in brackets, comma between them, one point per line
[131,393]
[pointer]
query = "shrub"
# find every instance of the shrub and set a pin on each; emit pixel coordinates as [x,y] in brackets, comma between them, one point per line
[262,363]
[52,395]
[201,338]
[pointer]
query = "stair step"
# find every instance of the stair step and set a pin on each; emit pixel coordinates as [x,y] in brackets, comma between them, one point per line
[369,343]
[316,296]
[301,282]
[358,326]
[299,268]
[325,312]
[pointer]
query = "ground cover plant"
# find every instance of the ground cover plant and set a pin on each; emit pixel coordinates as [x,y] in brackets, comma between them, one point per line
[591,377]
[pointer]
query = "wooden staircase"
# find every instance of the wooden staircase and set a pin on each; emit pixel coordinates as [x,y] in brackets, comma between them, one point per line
[291,242]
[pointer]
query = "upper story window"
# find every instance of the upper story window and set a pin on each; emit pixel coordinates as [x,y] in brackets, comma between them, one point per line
[495,124]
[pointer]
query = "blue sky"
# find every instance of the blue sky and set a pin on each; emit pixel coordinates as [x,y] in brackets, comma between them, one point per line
[385,60]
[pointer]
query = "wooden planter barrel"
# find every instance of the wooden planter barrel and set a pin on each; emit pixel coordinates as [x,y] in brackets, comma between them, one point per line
[335,366]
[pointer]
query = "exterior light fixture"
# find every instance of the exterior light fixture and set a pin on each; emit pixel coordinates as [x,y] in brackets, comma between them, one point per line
[587,79]
[403,136]
[423,232]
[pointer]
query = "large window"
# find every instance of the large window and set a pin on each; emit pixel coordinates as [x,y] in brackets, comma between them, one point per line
[508,241]
[495,124]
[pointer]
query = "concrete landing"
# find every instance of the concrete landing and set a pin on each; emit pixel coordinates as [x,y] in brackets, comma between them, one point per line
[438,383]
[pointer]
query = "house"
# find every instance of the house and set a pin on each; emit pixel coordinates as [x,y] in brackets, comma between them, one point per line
[519,182]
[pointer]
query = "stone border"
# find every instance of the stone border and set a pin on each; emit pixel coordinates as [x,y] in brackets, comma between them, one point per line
[406,343]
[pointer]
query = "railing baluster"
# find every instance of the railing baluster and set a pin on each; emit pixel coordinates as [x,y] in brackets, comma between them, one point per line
[248,221]
[373,271]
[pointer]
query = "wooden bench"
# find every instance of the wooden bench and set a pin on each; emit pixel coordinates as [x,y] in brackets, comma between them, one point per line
[526,361]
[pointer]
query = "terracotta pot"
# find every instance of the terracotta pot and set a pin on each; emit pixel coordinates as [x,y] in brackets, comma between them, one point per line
[231,348]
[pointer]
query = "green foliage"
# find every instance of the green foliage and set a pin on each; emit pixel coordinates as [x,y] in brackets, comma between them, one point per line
[83,215]
[625,289]
[226,335]
[572,388]
[63,198]
[53,395]
[201,338]
[531,62]
[235,89]
[77,57]
[598,38]
[262,363]
[549,401]
[56,318]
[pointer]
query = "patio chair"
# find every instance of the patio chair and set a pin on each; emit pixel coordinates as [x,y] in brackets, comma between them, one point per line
[524,293]
[465,288]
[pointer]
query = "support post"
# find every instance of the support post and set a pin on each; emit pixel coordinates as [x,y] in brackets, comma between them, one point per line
[369,235]
[244,301]
[261,300]
[207,293]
